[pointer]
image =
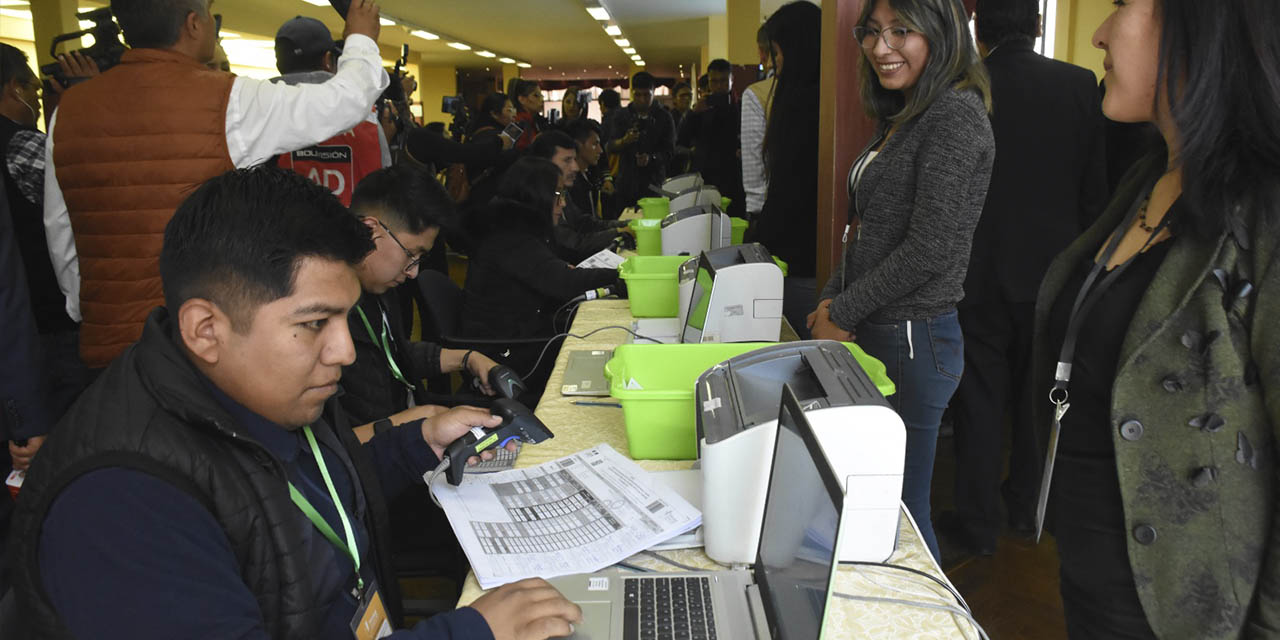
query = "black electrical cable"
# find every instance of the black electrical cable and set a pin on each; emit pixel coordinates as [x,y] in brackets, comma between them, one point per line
[588,334]
[918,572]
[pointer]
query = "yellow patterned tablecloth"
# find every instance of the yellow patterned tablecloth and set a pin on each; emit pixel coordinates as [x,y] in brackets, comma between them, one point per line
[581,427]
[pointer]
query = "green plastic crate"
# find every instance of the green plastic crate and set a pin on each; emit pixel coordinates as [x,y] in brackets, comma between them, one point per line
[654,208]
[739,230]
[660,417]
[648,236]
[652,285]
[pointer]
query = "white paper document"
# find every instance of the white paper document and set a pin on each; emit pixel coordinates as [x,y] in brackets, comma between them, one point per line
[577,514]
[603,259]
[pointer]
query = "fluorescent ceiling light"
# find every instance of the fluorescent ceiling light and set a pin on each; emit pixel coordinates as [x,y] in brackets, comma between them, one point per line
[636,58]
[639,63]
[318,3]
[622,42]
[523,65]
[386,22]
[613,30]
[599,13]
[629,51]
[425,35]
[506,61]
[460,46]
[486,54]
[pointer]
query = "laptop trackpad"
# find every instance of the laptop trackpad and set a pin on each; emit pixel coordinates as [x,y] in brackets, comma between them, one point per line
[595,621]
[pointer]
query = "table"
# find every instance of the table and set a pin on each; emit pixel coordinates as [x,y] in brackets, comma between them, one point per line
[581,427]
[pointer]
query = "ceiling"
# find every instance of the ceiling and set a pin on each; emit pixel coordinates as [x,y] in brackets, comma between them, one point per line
[556,33]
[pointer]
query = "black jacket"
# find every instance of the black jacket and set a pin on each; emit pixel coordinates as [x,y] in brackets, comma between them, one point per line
[150,411]
[515,281]
[713,136]
[658,139]
[370,391]
[788,221]
[1048,183]
[23,392]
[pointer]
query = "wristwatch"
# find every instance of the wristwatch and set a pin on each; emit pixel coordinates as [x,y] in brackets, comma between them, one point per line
[382,426]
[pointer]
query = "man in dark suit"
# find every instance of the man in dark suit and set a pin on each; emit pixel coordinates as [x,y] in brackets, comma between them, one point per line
[1048,184]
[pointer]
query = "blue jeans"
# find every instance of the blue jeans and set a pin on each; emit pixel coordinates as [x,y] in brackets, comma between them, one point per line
[924,359]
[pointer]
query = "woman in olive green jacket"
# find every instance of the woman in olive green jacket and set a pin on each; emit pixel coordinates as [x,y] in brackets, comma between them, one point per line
[1163,500]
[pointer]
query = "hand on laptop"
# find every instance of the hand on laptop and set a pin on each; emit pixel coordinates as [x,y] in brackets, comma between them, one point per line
[528,610]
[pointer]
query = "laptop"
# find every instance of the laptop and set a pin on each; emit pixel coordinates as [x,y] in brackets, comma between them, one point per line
[584,373]
[784,596]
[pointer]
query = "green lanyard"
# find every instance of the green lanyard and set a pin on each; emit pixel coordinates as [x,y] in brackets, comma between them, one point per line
[314,516]
[385,343]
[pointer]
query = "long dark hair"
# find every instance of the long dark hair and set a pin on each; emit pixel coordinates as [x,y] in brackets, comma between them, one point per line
[527,195]
[796,30]
[1220,67]
[953,61]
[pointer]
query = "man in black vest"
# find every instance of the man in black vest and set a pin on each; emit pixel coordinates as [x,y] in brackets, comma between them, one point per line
[1048,184]
[194,489]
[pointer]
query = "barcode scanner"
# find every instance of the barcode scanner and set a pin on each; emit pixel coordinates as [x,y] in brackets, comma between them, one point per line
[518,423]
[505,382]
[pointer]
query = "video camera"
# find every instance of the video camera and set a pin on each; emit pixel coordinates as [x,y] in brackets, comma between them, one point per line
[456,107]
[106,49]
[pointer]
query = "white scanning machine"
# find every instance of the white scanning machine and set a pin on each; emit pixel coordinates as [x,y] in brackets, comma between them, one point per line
[696,227]
[861,435]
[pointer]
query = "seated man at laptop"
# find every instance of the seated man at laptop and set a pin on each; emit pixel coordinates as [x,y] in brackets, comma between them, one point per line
[404,209]
[194,490]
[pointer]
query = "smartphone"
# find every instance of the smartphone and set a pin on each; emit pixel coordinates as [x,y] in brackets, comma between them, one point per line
[513,131]
[450,104]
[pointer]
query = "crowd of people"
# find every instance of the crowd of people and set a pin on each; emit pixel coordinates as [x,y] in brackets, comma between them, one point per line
[212,386]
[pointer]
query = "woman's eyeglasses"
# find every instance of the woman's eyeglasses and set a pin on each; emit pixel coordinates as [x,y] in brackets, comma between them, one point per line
[894,37]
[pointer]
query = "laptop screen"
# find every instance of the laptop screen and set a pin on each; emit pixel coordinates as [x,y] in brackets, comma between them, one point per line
[699,302]
[797,555]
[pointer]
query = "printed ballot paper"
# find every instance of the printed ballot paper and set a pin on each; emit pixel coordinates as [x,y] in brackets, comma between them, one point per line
[603,259]
[577,514]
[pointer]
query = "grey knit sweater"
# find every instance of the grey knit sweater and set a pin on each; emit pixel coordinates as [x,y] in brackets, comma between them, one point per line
[919,203]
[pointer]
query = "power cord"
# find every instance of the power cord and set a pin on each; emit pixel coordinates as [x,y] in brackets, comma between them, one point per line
[920,605]
[430,478]
[588,334]
[918,572]
[659,556]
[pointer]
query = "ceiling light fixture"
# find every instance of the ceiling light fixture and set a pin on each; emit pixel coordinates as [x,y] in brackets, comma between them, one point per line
[629,51]
[506,61]
[636,58]
[425,35]
[486,54]
[599,13]
[523,65]
[386,22]
[613,30]
[622,42]
[460,46]
[318,3]
[639,63]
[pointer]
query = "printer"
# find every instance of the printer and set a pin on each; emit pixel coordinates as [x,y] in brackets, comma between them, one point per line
[694,228]
[862,437]
[737,293]
[694,196]
[675,185]
[732,294]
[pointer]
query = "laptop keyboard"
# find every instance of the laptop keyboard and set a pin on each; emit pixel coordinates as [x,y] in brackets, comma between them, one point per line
[667,609]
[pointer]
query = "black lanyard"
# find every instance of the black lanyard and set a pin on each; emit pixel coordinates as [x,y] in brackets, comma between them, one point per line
[1089,295]
[1086,299]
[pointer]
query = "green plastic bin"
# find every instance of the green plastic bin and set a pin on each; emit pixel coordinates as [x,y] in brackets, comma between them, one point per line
[654,208]
[652,285]
[654,383]
[724,203]
[648,236]
[739,230]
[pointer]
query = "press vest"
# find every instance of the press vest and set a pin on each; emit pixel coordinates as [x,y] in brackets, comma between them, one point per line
[129,147]
[341,162]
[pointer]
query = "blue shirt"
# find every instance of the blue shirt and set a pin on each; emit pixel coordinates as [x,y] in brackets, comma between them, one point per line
[124,554]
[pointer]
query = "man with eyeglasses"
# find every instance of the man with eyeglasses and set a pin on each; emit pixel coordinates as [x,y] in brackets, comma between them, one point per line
[404,208]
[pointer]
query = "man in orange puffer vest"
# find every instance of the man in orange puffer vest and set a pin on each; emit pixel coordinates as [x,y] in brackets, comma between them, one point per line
[126,147]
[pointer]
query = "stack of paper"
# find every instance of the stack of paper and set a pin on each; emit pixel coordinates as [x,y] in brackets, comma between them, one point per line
[577,514]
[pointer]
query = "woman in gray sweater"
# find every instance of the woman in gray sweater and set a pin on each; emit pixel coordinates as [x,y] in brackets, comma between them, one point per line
[915,195]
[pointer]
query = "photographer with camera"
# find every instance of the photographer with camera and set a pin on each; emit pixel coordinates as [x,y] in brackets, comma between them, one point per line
[307,54]
[173,124]
[644,138]
[711,131]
